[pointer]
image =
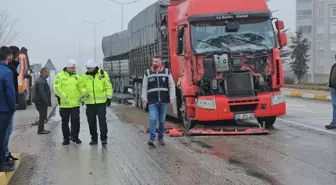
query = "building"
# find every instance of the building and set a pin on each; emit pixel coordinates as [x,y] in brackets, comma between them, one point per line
[317,19]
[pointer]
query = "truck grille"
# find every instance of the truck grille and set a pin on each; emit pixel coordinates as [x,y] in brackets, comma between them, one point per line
[240,84]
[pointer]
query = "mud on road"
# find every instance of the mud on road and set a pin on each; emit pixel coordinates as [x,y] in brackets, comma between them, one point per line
[290,154]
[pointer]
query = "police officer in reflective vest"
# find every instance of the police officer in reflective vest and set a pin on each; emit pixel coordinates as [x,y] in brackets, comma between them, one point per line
[69,91]
[158,90]
[98,94]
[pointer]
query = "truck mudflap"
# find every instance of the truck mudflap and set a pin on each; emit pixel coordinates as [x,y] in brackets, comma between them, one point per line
[174,132]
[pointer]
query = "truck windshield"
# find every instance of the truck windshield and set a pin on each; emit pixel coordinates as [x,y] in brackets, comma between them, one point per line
[252,35]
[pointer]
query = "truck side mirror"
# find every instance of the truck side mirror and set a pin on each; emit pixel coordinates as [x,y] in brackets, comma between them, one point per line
[179,49]
[282,39]
[180,34]
[279,24]
[31,67]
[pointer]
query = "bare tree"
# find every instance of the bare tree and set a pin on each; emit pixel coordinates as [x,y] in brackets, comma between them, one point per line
[7,35]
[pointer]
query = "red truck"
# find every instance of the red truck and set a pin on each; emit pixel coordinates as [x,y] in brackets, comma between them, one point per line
[223,55]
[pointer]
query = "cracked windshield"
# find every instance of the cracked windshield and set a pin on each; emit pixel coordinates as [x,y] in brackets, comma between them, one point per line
[252,35]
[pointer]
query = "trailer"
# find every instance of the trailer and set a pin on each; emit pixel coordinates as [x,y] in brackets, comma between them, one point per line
[223,56]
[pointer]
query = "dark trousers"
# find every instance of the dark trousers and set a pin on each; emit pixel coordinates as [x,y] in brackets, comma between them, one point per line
[66,114]
[43,112]
[91,112]
[5,119]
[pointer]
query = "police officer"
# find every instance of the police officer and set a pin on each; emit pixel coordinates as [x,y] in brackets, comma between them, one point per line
[158,90]
[98,94]
[68,89]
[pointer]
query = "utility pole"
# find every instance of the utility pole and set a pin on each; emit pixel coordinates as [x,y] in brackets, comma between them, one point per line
[122,9]
[79,45]
[94,36]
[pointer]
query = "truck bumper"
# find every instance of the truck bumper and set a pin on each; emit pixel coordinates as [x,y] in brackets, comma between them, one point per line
[263,105]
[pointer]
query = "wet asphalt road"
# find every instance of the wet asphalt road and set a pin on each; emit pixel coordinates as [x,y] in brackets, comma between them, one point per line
[126,160]
[297,151]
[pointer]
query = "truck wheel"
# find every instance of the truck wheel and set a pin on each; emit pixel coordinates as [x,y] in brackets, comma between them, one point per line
[136,95]
[22,101]
[187,123]
[269,121]
[140,94]
[117,84]
[114,85]
[122,85]
[29,101]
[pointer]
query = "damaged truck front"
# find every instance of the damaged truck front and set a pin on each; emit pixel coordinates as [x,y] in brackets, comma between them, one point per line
[225,60]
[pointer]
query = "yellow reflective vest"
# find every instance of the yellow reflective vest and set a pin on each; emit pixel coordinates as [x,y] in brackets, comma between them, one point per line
[98,87]
[68,87]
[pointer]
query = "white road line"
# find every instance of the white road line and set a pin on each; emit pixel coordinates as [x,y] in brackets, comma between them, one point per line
[307,126]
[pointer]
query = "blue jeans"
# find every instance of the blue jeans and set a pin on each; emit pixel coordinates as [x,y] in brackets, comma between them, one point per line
[333,102]
[8,132]
[157,112]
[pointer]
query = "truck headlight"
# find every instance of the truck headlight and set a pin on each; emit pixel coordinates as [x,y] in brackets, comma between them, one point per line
[206,104]
[277,99]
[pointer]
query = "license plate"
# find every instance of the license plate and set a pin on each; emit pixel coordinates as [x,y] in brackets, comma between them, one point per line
[244,116]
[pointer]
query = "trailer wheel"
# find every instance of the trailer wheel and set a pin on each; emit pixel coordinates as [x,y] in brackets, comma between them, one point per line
[29,101]
[136,95]
[269,121]
[187,123]
[114,85]
[118,84]
[121,85]
[22,102]
[140,95]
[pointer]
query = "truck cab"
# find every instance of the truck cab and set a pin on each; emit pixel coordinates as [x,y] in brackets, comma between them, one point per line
[24,70]
[225,60]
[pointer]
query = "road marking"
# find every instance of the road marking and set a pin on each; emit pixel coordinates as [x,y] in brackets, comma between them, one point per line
[307,126]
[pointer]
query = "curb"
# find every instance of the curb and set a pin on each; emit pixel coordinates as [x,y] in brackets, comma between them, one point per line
[299,94]
[6,177]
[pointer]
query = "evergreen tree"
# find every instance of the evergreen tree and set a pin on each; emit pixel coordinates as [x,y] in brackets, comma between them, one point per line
[299,55]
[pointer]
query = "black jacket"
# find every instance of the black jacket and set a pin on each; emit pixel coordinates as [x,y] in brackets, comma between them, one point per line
[41,92]
[332,77]
[13,66]
[158,87]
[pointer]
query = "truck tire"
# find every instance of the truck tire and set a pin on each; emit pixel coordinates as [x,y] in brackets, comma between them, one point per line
[136,95]
[29,101]
[22,102]
[117,84]
[114,85]
[187,123]
[140,94]
[269,121]
[122,85]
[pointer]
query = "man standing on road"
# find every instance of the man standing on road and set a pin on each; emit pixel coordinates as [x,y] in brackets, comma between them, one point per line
[68,89]
[7,104]
[332,85]
[98,94]
[158,90]
[42,99]
[13,64]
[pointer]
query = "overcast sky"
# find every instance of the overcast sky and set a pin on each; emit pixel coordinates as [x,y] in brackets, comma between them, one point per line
[52,28]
